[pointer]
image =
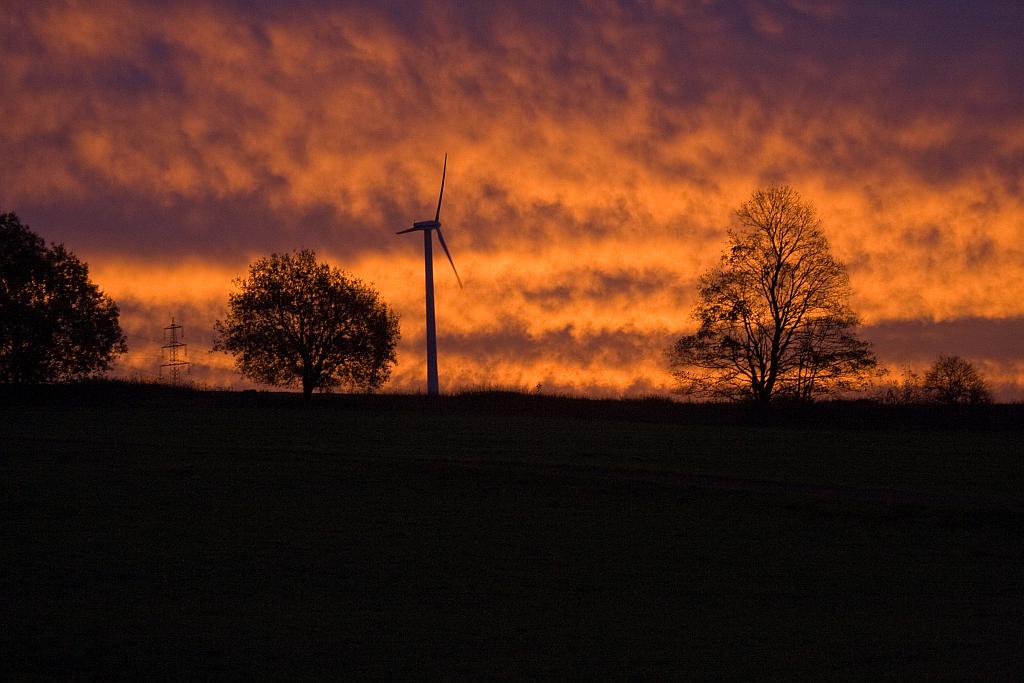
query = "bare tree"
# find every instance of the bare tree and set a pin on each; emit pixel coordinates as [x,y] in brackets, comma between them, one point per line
[955,380]
[774,319]
[908,390]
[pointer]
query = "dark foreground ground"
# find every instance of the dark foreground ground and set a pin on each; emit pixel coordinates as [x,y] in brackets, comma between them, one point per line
[157,533]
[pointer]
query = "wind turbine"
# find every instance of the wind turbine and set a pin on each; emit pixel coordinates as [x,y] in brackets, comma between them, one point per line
[428,267]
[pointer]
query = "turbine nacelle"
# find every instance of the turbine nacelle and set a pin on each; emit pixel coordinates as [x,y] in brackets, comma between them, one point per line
[421,225]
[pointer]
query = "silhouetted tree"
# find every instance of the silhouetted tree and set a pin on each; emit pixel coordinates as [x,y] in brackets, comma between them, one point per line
[908,390]
[55,325]
[954,380]
[773,315]
[299,322]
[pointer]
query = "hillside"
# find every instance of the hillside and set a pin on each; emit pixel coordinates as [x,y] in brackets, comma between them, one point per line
[155,530]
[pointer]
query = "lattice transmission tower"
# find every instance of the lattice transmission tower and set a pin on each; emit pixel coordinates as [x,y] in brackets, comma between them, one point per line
[173,347]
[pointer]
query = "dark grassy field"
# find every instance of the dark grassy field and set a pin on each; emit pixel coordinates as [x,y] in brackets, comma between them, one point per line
[167,533]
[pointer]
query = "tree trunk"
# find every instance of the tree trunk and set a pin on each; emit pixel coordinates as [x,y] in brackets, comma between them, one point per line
[307,389]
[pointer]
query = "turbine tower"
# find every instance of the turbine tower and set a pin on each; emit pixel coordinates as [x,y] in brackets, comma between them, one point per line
[428,228]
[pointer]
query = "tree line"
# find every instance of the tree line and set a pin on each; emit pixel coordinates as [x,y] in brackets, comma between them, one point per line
[774,322]
[292,322]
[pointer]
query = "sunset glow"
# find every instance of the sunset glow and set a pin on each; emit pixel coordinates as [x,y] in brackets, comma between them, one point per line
[597,152]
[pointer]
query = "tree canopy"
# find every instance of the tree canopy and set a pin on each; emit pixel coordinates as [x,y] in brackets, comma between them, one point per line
[298,322]
[55,325]
[955,380]
[774,319]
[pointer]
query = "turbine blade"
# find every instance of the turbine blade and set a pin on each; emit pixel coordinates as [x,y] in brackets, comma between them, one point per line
[440,236]
[402,232]
[444,169]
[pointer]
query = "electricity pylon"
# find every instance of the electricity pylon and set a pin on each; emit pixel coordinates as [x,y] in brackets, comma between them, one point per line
[174,364]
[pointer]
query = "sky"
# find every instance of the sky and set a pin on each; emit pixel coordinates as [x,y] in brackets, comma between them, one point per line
[597,152]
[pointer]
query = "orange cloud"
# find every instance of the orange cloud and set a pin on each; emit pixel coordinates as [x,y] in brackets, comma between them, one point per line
[597,154]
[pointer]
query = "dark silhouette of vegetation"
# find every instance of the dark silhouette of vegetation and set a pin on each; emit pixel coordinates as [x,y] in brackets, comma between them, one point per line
[908,390]
[299,322]
[55,325]
[774,318]
[956,381]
